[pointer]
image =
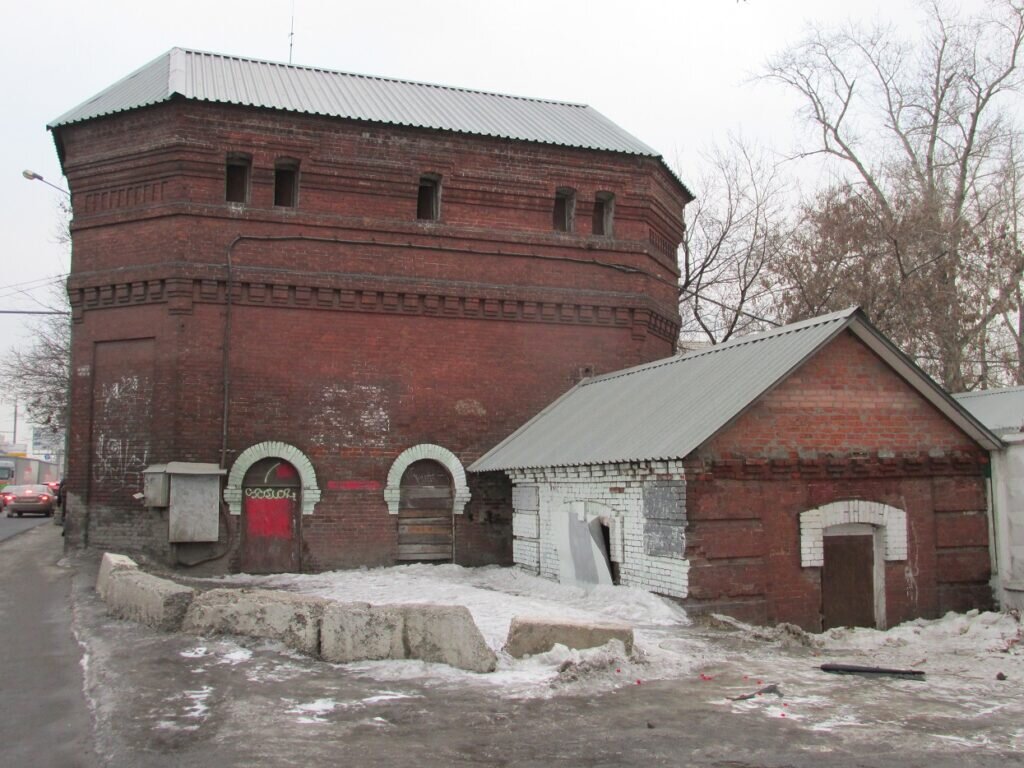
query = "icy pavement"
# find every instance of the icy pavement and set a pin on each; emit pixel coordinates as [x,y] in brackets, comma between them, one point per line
[688,695]
[963,656]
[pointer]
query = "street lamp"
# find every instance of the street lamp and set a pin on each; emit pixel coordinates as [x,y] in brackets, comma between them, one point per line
[33,176]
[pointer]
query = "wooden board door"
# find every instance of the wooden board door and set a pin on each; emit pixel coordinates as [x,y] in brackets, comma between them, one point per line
[270,518]
[425,514]
[847,582]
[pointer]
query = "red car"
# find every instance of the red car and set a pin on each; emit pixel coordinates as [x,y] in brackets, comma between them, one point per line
[19,499]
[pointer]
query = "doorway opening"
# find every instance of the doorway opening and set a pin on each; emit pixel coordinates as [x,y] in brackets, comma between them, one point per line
[426,524]
[271,517]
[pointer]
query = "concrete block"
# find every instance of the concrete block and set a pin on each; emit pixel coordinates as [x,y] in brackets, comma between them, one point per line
[445,634]
[108,565]
[359,632]
[289,618]
[158,603]
[528,636]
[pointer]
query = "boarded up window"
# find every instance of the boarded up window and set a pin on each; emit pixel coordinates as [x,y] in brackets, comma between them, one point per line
[286,183]
[565,209]
[428,200]
[236,178]
[604,207]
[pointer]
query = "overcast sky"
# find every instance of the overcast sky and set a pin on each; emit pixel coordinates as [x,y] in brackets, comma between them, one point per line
[676,73]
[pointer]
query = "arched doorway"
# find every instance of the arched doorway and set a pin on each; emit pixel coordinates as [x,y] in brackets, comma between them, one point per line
[271,517]
[425,520]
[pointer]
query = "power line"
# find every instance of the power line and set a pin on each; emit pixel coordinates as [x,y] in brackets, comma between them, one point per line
[32,312]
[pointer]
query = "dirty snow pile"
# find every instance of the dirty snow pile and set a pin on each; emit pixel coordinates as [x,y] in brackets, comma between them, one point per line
[953,650]
[495,595]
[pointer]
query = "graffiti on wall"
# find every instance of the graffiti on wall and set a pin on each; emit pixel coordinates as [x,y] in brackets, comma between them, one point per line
[121,427]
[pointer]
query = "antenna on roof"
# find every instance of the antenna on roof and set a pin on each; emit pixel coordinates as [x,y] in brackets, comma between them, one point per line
[291,34]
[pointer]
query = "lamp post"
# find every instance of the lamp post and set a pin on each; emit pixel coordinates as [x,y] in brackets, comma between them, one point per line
[33,176]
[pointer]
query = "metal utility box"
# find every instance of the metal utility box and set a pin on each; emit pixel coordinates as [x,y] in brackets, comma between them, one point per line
[155,486]
[191,491]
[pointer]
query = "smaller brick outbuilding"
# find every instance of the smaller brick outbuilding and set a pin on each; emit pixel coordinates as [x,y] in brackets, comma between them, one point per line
[811,475]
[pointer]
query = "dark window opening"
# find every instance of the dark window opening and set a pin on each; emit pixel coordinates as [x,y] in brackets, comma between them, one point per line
[565,210]
[428,200]
[236,178]
[613,567]
[286,184]
[604,208]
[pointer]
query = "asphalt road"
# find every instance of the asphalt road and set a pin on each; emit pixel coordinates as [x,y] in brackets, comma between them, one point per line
[11,526]
[44,718]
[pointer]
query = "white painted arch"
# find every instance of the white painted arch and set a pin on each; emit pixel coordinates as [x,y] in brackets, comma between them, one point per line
[891,521]
[444,457]
[272,449]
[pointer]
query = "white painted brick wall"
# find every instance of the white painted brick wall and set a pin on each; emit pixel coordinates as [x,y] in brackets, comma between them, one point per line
[525,525]
[559,487]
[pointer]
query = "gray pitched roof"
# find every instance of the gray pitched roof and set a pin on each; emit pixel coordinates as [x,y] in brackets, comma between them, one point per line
[668,408]
[1001,410]
[233,80]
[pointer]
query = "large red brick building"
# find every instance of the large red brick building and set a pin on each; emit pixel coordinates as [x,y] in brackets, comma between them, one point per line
[341,290]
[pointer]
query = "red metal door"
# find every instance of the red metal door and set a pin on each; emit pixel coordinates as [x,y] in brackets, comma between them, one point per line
[270,518]
[425,513]
[847,582]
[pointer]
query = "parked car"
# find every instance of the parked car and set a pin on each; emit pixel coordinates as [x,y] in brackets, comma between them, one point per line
[19,499]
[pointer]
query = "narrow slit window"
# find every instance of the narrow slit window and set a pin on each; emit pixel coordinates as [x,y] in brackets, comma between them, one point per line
[236,179]
[565,209]
[604,209]
[286,184]
[428,199]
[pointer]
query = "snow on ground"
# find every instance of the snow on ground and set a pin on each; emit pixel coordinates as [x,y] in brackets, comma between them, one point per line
[494,596]
[961,654]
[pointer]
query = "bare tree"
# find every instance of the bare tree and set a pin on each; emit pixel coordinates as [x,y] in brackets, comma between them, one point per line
[39,374]
[733,232]
[922,226]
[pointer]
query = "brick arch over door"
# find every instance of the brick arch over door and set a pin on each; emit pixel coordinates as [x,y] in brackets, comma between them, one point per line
[272,448]
[813,522]
[444,457]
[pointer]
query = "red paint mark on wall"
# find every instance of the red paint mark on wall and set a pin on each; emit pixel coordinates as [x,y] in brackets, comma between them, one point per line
[354,485]
[284,470]
[269,518]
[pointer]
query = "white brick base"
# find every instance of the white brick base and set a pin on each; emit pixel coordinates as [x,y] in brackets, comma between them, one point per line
[615,494]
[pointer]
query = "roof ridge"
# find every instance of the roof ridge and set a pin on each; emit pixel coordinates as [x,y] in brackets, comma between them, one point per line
[381,78]
[739,341]
[986,392]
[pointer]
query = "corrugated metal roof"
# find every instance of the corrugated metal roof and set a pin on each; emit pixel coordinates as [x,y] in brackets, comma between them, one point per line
[1001,410]
[248,82]
[668,408]
[665,409]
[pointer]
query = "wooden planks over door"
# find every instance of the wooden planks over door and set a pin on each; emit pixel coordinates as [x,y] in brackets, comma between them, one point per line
[425,514]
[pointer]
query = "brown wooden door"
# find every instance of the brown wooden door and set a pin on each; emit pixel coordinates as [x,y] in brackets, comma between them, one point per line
[270,518]
[847,582]
[425,513]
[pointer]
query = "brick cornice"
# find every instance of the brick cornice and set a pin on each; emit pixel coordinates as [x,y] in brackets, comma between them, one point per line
[197,283]
[836,467]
